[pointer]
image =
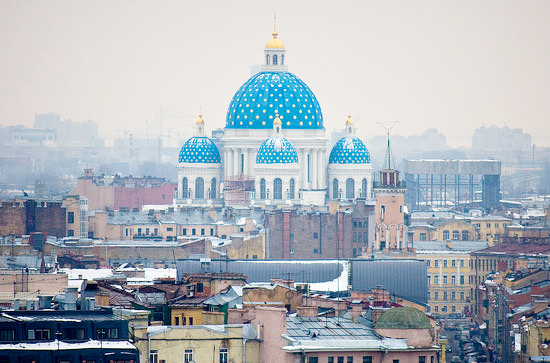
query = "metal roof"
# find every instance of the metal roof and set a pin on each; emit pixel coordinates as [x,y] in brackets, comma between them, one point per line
[455,246]
[263,271]
[403,278]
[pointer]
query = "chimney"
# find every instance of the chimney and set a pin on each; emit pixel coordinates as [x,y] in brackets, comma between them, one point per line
[307,311]
[70,298]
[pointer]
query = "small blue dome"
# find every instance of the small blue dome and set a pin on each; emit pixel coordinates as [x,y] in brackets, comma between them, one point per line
[349,150]
[199,149]
[268,93]
[276,150]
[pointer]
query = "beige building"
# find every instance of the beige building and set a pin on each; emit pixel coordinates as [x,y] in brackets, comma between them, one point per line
[450,277]
[206,343]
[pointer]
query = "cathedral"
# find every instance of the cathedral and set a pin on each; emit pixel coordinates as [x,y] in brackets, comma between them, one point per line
[273,148]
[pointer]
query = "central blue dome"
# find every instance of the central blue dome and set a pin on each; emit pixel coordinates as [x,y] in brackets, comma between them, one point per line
[268,93]
[349,150]
[199,149]
[276,150]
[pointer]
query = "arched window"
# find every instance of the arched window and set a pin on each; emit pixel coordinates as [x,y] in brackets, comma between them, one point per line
[199,188]
[350,188]
[445,235]
[364,188]
[282,59]
[335,188]
[292,186]
[213,188]
[465,235]
[184,188]
[267,59]
[262,189]
[456,235]
[274,59]
[277,189]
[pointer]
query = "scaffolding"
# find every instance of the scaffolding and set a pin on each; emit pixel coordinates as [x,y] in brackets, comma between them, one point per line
[238,191]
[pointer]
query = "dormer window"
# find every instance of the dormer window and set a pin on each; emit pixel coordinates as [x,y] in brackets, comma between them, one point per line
[274,59]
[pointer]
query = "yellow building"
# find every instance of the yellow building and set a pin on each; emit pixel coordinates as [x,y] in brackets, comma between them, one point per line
[491,228]
[451,289]
[446,230]
[208,343]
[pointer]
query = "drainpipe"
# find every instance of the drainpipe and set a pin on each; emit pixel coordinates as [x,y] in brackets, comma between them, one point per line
[244,350]
[148,348]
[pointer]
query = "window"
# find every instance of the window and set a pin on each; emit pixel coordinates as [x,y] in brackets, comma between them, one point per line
[7,334]
[462,296]
[107,333]
[139,231]
[176,320]
[277,189]
[274,59]
[422,236]
[146,231]
[350,359]
[364,188]
[38,334]
[190,320]
[462,279]
[154,356]
[453,263]
[456,235]
[267,59]
[359,236]
[436,296]
[365,237]
[188,356]
[340,359]
[445,295]
[453,279]
[367,359]
[315,235]
[496,225]
[436,263]
[70,233]
[444,263]
[422,359]
[436,279]
[313,360]
[184,231]
[444,279]
[73,333]
[292,187]
[185,188]
[465,236]
[382,212]
[488,225]
[335,189]
[453,296]
[445,234]
[396,361]
[224,355]
[429,280]
[354,236]
[193,231]
[213,186]
[262,189]
[70,217]
[330,360]
[199,188]
[436,308]
[461,263]
[202,231]
[350,188]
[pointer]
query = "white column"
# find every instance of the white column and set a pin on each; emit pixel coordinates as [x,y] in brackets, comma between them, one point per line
[304,169]
[229,164]
[313,171]
[321,169]
[245,162]
[252,160]
[236,157]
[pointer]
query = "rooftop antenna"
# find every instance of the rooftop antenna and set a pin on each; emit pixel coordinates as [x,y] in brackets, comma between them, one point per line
[388,126]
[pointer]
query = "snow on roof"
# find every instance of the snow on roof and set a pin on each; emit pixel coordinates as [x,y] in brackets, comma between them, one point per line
[61,345]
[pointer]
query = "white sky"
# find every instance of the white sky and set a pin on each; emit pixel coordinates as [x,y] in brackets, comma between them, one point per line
[453,65]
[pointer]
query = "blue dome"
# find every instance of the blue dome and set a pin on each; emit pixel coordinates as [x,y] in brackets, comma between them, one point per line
[268,93]
[349,150]
[276,150]
[199,149]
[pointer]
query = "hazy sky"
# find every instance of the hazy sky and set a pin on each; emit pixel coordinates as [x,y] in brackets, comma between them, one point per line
[452,65]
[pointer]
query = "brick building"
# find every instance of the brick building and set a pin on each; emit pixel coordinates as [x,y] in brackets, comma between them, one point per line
[316,234]
[21,217]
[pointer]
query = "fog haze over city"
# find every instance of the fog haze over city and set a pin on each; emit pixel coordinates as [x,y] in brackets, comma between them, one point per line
[453,66]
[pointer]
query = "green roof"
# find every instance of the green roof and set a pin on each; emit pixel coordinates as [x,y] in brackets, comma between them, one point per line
[403,318]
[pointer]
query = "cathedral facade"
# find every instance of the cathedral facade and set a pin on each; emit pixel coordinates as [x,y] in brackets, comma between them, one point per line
[273,148]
